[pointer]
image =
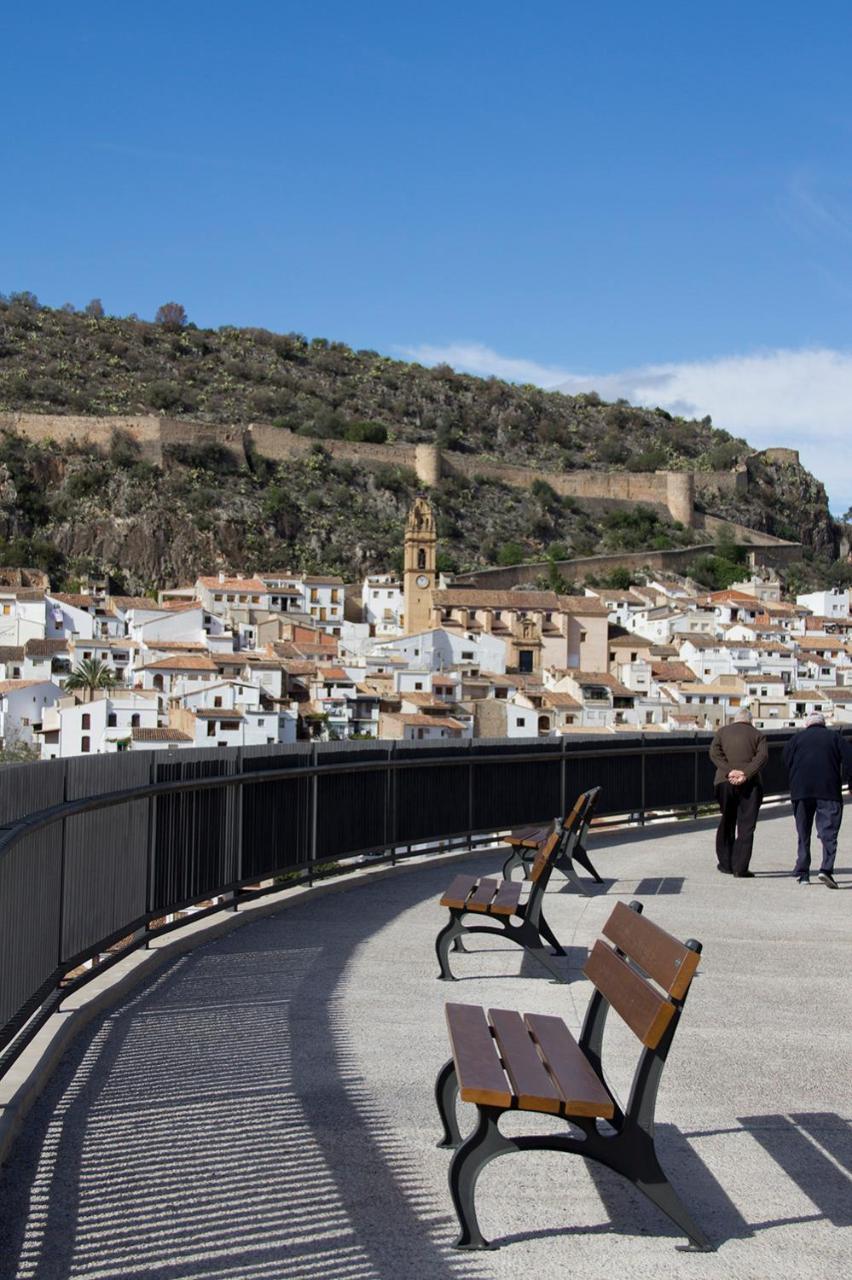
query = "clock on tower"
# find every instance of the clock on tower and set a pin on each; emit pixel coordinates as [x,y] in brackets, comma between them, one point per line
[419,568]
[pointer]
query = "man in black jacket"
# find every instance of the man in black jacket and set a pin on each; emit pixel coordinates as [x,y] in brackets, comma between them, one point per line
[816,759]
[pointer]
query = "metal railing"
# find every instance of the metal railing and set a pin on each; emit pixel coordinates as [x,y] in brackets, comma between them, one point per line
[97,851]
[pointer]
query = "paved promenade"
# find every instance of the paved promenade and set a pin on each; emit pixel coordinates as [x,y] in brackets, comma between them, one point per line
[263,1107]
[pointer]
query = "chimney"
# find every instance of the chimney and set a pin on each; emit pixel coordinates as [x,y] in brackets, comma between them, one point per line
[221,575]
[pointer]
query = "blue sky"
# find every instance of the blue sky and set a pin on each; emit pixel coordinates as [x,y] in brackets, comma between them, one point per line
[654,199]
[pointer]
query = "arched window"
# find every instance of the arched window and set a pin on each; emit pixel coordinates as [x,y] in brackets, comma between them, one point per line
[421,559]
[134,720]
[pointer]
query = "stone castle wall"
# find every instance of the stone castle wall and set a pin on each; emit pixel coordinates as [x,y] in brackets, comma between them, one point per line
[672,490]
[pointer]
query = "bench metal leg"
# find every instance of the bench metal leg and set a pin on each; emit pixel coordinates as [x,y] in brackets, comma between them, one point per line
[579,855]
[549,936]
[660,1192]
[629,1153]
[446,1093]
[484,1144]
[515,859]
[448,935]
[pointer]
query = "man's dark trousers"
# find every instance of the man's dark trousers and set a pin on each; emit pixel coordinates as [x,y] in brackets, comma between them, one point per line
[734,838]
[829,815]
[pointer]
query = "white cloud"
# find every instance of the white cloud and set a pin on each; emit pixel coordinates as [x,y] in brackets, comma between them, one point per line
[798,398]
[474,357]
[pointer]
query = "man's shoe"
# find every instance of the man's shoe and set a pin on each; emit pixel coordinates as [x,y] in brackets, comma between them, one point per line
[743,875]
[803,880]
[726,871]
[828,880]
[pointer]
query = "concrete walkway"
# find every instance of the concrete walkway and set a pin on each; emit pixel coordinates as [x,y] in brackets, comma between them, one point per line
[263,1108]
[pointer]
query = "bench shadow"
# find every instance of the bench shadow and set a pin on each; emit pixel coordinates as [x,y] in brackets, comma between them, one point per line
[807,1148]
[218,1122]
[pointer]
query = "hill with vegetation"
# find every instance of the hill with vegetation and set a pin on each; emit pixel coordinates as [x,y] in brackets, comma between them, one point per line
[76,510]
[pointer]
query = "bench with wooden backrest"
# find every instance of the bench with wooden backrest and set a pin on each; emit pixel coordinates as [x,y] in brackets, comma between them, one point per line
[506,1061]
[527,841]
[499,901]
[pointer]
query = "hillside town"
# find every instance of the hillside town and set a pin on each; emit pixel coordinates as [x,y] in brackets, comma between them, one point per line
[276,657]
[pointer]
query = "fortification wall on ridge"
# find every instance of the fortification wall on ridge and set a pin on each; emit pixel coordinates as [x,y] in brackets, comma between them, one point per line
[673,491]
[70,429]
[278,444]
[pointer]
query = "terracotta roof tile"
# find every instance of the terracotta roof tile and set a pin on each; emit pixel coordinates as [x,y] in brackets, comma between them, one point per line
[182,662]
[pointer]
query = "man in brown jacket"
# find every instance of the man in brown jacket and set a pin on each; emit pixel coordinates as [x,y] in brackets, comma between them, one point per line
[739,752]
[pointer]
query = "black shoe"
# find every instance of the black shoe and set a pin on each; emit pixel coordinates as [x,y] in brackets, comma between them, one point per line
[743,875]
[805,879]
[828,880]
[725,870]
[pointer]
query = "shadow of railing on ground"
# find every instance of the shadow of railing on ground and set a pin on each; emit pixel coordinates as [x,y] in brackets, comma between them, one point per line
[217,1123]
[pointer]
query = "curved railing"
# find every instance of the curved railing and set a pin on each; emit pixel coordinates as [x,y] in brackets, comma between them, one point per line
[97,851]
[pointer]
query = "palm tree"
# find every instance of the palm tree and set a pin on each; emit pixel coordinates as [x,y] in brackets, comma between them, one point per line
[91,674]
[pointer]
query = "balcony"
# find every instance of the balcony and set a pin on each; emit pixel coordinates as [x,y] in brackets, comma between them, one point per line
[260,1106]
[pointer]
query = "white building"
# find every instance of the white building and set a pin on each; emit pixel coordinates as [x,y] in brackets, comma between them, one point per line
[826,604]
[383,605]
[102,725]
[441,650]
[23,706]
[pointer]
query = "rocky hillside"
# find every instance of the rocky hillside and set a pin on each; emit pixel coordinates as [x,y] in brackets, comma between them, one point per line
[73,511]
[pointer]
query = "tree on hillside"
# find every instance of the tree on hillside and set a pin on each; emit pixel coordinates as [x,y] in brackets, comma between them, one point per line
[89,676]
[95,309]
[171,315]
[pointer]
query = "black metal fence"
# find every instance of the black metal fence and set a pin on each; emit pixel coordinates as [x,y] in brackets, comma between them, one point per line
[96,851]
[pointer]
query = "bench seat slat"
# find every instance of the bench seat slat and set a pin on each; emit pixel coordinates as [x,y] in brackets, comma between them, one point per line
[528,837]
[583,1092]
[507,898]
[480,1076]
[645,1011]
[534,1088]
[663,957]
[459,891]
[483,896]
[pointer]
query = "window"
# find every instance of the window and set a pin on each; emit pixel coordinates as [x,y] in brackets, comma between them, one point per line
[467,655]
[525,660]
[633,657]
[421,559]
[520,722]
[218,597]
[85,744]
[335,596]
[418,685]
[211,728]
[612,655]
[134,720]
[217,701]
[86,721]
[112,720]
[375,595]
[87,653]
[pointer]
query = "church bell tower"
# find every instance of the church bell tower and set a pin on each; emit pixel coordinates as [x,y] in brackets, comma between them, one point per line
[419,573]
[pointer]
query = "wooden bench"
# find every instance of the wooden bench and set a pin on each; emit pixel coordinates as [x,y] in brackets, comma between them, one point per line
[526,843]
[506,1061]
[500,902]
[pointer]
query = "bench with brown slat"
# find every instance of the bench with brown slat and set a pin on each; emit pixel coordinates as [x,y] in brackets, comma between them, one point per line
[498,897]
[500,902]
[526,842]
[506,1061]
